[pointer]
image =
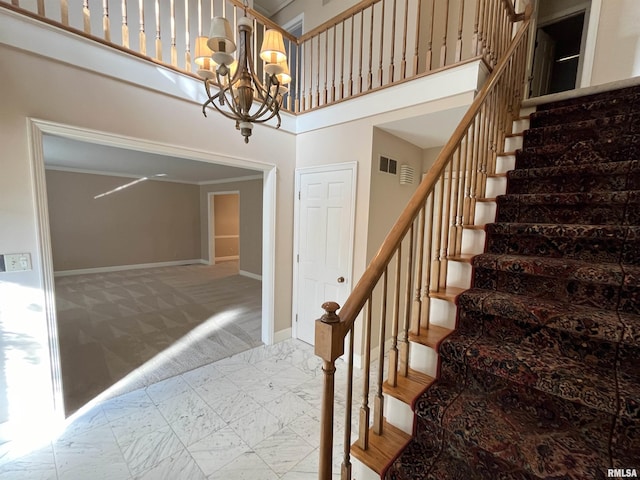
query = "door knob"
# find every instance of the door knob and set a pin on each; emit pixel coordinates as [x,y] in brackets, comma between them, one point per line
[340,279]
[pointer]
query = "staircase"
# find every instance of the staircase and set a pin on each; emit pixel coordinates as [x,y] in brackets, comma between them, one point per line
[541,377]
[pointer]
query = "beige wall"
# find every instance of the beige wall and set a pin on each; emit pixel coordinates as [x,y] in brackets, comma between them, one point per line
[150,222]
[250,197]
[387,198]
[617,53]
[98,102]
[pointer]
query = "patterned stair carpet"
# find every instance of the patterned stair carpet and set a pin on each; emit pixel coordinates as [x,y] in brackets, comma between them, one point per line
[541,380]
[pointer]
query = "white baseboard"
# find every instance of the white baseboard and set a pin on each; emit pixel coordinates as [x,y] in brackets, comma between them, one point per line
[255,276]
[118,268]
[226,259]
[282,335]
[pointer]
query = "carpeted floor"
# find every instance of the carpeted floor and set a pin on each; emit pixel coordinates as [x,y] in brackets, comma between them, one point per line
[151,324]
[541,378]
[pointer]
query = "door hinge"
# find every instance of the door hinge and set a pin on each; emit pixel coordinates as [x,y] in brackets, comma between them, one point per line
[296,318]
[299,195]
[298,258]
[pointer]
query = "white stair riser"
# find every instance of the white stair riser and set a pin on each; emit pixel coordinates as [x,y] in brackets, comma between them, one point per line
[520,125]
[423,359]
[359,471]
[511,144]
[472,241]
[442,313]
[398,414]
[526,111]
[458,274]
[505,163]
[496,186]
[485,213]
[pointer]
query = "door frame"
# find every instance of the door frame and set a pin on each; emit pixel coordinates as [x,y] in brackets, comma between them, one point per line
[334,167]
[37,128]
[591,10]
[211,229]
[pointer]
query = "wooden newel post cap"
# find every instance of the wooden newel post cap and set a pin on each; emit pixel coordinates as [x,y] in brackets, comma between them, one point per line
[331,316]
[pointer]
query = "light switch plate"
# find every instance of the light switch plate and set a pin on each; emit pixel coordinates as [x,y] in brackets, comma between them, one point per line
[17,262]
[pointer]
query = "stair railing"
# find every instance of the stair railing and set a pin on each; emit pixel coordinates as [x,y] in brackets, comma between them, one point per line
[377,43]
[374,44]
[414,255]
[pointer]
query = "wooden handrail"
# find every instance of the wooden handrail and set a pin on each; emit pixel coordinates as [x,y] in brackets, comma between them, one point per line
[265,21]
[369,279]
[460,170]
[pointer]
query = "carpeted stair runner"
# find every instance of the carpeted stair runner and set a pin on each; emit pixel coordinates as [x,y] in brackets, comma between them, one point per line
[541,379]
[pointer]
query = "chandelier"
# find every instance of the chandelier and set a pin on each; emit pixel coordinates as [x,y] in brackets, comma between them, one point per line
[232,86]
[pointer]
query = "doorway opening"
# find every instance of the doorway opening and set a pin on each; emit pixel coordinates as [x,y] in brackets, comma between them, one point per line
[151,293]
[224,227]
[558,55]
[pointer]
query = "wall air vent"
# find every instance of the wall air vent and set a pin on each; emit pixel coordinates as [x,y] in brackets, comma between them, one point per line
[388,165]
[406,175]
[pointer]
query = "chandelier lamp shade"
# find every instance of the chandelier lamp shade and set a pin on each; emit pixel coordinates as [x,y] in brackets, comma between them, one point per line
[232,84]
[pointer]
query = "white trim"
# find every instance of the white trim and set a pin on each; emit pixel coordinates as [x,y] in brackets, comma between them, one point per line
[36,128]
[228,258]
[113,174]
[353,166]
[555,17]
[58,168]
[119,268]
[294,22]
[282,335]
[590,42]
[246,178]
[591,9]
[269,189]
[255,276]
[580,92]
[43,234]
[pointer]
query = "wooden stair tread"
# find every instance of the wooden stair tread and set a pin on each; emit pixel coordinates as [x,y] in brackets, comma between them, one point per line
[474,227]
[504,154]
[448,293]
[431,337]
[497,175]
[511,135]
[408,388]
[463,257]
[486,200]
[383,449]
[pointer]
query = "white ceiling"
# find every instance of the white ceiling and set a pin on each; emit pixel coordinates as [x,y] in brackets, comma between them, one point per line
[64,153]
[429,130]
[268,8]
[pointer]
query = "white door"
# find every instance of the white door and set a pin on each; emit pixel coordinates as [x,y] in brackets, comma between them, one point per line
[324,245]
[543,61]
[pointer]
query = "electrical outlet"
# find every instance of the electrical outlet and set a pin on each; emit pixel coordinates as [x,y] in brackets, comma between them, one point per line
[17,262]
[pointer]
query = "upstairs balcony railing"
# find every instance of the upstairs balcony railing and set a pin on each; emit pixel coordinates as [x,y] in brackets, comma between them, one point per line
[372,45]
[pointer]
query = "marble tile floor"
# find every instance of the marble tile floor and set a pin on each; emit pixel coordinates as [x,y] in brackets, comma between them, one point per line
[254,415]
